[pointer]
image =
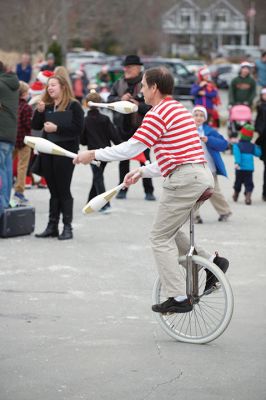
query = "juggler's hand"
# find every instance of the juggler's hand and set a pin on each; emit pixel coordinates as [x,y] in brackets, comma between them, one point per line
[85,157]
[132,177]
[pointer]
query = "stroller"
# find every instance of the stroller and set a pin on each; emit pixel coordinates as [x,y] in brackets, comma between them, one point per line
[239,115]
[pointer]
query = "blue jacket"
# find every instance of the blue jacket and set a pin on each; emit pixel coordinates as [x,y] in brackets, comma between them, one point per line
[216,143]
[244,153]
[207,100]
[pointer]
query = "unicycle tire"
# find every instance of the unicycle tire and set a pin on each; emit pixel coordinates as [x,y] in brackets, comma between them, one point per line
[212,309]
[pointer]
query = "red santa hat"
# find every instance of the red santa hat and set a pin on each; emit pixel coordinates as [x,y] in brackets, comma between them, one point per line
[203,71]
[43,76]
[36,88]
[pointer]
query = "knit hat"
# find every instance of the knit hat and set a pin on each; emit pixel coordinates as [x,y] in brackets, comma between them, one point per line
[36,88]
[246,64]
[132,60]
[202,109]
[43,76]
[246,133]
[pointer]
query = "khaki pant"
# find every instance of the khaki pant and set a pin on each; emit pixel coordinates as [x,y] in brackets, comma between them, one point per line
[218,200]
[23,156]
[181,191]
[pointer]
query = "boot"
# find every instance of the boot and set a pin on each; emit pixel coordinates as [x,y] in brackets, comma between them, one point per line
[248,198]
[235,196]
[52,227]
[67,209]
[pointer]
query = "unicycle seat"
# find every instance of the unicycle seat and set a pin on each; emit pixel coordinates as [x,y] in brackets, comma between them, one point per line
[206,195]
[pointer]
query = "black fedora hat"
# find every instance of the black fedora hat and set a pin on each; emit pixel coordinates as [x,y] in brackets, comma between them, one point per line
[132,60]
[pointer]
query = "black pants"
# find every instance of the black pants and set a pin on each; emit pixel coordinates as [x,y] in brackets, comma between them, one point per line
[245,178]
[264,180]
[124,169]
[97,186]
[58,172]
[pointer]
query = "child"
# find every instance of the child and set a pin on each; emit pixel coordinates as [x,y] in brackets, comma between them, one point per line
[98,132]
[213,143]
[206,94]
[260,127]
[244,152]
[21,151]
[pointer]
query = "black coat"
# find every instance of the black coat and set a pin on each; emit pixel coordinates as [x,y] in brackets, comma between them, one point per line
[63,133]
[127,124]
[98,131]
[260,127]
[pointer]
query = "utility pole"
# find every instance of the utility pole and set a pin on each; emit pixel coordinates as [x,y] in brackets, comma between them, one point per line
[251,16]
[64,28]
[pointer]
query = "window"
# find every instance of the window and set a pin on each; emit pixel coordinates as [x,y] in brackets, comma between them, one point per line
[185,19]
[221,17]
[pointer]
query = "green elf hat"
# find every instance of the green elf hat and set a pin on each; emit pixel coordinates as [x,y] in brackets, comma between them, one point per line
[246,133]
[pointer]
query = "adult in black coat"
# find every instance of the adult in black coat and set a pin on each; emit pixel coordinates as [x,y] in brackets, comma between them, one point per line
[61,117]
[128,88]
[260,127]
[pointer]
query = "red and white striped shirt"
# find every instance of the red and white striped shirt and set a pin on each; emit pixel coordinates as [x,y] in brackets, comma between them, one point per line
[171,129]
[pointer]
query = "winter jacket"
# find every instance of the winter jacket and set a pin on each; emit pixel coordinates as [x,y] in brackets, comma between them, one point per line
[215,144]
[260,127]
[9,85]
[24,122]
[98,131]
[24,74]
[63,134]
[207,99]
[127,124]
[242,90]
[244,153]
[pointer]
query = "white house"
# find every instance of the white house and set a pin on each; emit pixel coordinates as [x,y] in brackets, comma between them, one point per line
[203,25]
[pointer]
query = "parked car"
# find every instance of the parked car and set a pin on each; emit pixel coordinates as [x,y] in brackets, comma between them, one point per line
[222,74]
[183,78]
[194,65]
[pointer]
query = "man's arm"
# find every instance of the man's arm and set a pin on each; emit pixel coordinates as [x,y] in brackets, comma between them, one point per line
[122,151]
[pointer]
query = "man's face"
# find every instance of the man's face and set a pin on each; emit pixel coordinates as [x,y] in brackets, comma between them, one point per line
[148,92]
[131,71]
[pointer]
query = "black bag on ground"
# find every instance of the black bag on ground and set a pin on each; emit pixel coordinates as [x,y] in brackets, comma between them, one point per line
[17,221]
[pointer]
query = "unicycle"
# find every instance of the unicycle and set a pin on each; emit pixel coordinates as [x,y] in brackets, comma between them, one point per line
[212,308]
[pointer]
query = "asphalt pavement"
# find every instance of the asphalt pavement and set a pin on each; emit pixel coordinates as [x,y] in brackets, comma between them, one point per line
[75,316]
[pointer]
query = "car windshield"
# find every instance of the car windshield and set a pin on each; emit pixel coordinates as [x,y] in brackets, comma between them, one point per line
[181,70]
[175,68]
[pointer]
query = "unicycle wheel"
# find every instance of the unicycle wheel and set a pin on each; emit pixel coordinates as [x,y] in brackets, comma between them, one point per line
[212,308]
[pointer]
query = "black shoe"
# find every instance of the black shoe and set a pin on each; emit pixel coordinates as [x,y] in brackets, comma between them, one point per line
[224,217]
[198,220]
[67,233]
[211,280]
[150,197]
[122,194]
[50,231]
[173,306]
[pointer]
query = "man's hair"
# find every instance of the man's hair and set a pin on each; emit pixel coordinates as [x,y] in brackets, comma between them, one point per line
[263,54]
[161,77]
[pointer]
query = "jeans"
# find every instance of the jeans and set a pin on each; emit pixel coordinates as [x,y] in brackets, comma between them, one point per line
[6,172]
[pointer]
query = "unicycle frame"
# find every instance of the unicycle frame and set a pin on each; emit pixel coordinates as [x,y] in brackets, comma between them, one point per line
[192,284]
